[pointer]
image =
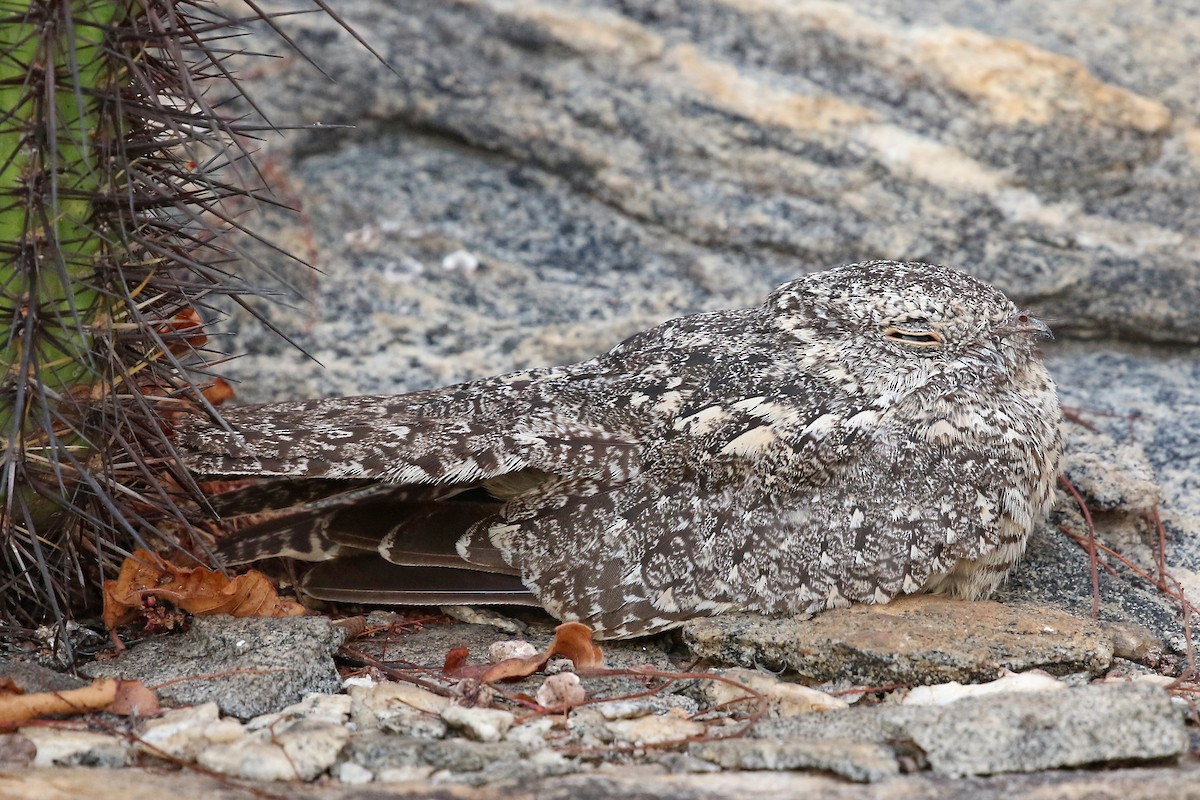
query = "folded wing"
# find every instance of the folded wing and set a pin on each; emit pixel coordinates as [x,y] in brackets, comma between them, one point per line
[385,494]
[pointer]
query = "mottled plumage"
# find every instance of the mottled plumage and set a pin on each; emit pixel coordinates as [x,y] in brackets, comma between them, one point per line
[878,429]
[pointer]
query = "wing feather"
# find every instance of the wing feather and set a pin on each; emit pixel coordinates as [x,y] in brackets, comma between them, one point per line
[364,443]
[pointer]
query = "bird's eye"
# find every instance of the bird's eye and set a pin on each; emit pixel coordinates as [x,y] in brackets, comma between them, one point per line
[919,337]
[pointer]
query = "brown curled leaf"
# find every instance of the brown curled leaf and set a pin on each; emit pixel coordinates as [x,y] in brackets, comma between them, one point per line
[513,669]
[146,580]
[184,332]
[572,640]
[456,659]
[218,392]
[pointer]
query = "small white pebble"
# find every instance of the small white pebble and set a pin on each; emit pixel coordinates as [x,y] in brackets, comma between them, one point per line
[561,691]
[334,708]
[258,761]
[654,729]
[364,239]
[1155,680]
[460,261]
[513,648]
[557,665]
[178,731]
[623,709]
[224,731]
[480,724]
[784,699]
[64,747]
[349,772]
[401,774]
[945,693]
[531,734]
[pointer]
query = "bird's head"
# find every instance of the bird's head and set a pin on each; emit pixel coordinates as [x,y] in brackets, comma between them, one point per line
[891,323]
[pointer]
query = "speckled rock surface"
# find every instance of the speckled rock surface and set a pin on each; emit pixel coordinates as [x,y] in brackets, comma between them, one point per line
[1011,732]
[911,641]
[867,762]
[609,163]
[247,666]
[643,716]
[1161,783]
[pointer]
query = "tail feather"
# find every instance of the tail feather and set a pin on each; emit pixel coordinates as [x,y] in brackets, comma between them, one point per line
[255,496]
[368,580]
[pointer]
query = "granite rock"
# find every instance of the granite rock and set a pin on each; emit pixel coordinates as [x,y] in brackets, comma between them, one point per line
[914,640]
[248,666]
[649,159]
[1015,732]
[1146,783]
[867,762]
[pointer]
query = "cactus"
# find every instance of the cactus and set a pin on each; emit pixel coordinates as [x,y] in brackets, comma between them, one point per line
[117,173]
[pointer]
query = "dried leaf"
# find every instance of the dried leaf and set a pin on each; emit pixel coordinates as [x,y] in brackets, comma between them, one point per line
[456,659]
[511,669]
[572,640]
[146,579]
[134,699]
[218,392]
[104,694]
[184,331]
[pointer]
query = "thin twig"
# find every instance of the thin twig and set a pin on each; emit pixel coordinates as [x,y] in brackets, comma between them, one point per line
[1091,543]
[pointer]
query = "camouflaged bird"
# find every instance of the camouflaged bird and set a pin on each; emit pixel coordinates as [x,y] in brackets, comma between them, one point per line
[878,429]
